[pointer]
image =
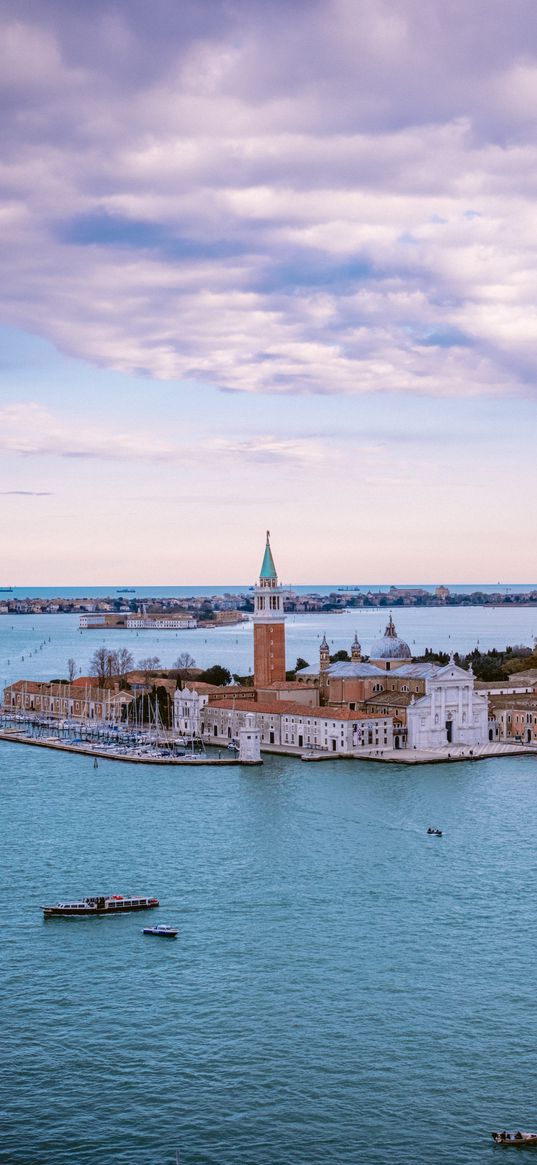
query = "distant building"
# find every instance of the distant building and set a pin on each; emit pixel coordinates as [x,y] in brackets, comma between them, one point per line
[124,620]
[160,622]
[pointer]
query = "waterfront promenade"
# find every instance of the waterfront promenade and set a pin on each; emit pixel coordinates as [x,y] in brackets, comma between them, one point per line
[402,756]
[147,755]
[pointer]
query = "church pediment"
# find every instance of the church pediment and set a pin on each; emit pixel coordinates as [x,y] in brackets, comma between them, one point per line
[452,672]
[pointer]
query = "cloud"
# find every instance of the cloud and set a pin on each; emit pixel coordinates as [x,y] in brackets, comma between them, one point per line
[26,493]
[339,198]
[29,429]
[271,449]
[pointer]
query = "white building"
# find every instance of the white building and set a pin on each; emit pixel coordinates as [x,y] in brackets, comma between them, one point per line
[164,623]
[288,724]
[187,708]
[450,713]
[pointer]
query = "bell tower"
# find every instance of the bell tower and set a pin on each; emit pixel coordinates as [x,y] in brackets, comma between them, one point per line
[356,650]
[324,655]
[269,629]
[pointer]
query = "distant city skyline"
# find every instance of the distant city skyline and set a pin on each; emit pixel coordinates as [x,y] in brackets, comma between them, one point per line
[267,266]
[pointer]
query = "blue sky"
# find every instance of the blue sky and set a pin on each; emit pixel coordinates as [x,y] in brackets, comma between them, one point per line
[267,269]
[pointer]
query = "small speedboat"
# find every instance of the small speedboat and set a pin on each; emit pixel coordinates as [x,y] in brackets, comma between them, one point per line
[517,1139]
[161,931]
[434,832]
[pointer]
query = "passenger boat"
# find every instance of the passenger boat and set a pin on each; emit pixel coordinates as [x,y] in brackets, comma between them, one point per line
[519,1140]
[161,931]
[99,904]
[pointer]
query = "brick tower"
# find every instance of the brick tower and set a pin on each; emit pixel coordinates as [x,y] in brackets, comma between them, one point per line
[269,629]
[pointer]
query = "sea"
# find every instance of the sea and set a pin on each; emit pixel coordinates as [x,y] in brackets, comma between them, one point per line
[344,988]
[39,646]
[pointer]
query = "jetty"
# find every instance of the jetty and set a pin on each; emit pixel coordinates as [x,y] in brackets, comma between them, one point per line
[190,760]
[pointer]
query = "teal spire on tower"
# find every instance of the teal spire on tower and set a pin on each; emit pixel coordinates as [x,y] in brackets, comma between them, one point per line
[268,570]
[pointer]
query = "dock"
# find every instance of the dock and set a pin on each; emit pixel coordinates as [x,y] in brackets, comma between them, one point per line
[191,761]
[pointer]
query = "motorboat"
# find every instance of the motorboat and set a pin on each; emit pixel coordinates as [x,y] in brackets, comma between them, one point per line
[518,1140]
[161,931]
[434,832]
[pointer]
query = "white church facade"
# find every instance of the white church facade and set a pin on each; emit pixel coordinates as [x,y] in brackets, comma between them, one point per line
[450,713]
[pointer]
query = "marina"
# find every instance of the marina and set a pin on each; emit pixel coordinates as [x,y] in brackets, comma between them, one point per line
[127,756]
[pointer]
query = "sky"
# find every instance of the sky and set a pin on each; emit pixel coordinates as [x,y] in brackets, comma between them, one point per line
[267,265]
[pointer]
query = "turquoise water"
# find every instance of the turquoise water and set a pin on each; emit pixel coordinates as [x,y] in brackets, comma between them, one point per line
[344,988]
[38,646]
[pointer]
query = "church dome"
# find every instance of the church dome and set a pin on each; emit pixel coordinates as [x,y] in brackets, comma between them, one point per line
[390,646]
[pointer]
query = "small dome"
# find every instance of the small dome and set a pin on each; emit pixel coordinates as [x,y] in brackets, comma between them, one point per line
[390,646]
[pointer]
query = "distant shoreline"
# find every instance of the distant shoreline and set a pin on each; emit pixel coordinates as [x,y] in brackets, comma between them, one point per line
[205,607]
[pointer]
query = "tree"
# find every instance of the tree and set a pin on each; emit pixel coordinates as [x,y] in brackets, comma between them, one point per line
[216,674]
[124,662]
[300,663]
[185,660]
[340,657]
[71,669]
[148,665]
[99,664]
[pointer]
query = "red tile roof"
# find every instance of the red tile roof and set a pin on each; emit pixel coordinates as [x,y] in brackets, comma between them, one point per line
[290,708]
